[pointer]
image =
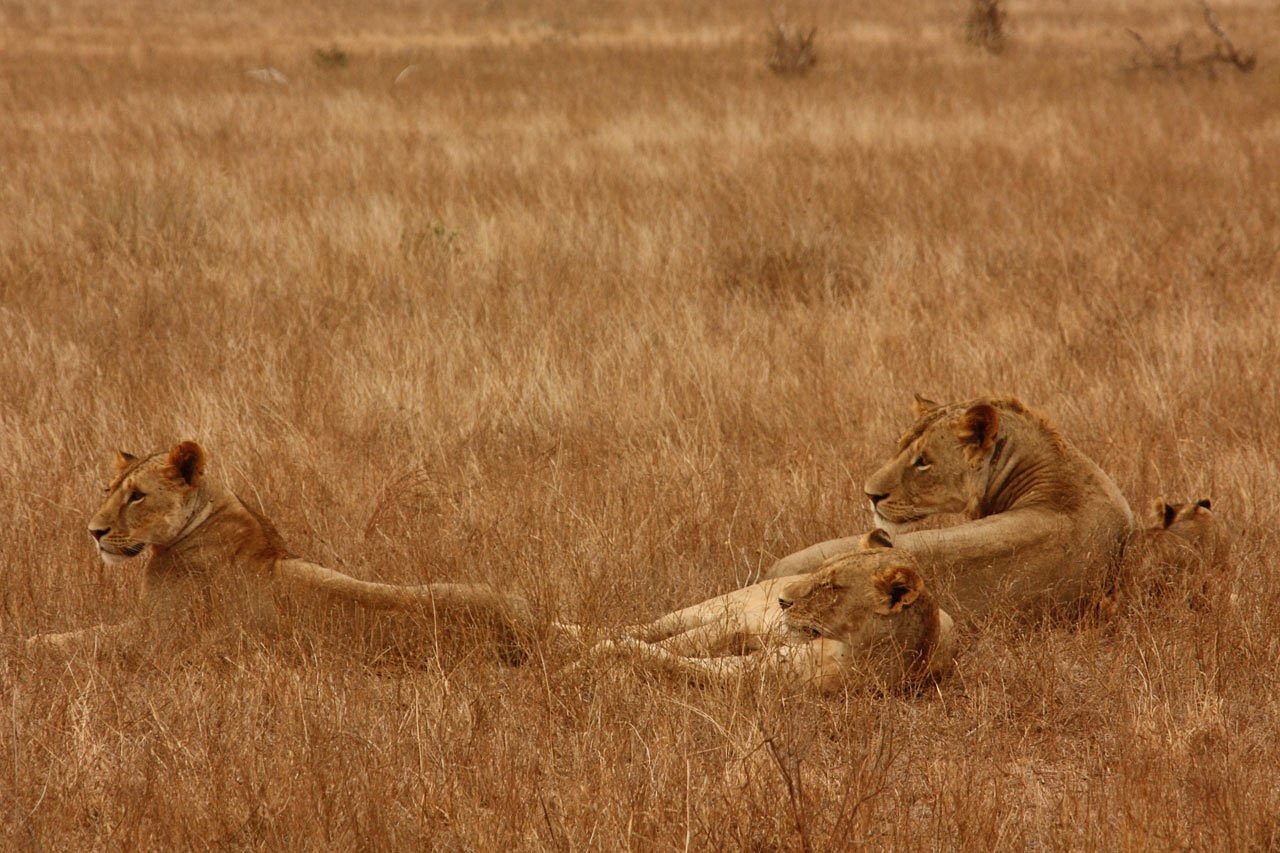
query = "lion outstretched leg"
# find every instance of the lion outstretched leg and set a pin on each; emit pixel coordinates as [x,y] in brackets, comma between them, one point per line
[810,662]
[678,623]
[806,560]
[721,616]
[724,635]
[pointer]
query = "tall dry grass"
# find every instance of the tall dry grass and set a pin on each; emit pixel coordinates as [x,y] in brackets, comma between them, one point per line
[593,307]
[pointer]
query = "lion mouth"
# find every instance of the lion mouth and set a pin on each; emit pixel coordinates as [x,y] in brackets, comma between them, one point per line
[124,552]
[806,632]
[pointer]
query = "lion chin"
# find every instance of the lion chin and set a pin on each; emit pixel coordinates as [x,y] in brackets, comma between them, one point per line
[111,558]
[893,528]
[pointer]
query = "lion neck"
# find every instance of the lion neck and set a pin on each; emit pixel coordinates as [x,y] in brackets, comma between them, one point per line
[1026,467]
[220,531]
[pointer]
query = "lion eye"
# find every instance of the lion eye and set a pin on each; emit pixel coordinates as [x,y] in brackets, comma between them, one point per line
[136,496]
[921,463]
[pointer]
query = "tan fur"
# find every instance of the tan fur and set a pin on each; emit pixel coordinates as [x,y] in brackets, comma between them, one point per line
[1182,551]
[860,622]
[1046,525]
[214,563]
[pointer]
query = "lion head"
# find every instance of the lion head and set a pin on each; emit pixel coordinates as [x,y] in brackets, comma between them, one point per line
[151,501]
[1186,532]
[884,611]
[1182,519]
[937,465]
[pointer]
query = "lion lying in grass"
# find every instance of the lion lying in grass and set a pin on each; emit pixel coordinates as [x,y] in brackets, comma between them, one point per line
[859,620]
[1046,525]
[1183,551]
[215,563]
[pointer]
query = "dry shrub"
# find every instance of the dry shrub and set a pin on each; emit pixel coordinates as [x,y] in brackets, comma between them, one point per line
[1177,58]
[984,25]
[331,58]
[791,50]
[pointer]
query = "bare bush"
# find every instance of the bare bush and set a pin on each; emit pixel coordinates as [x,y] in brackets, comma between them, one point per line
[1175,58]
[791,49]
[984,25]
[331,58]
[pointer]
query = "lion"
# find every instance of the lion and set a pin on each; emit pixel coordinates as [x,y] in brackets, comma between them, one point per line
[1044,528]
[214,562]
[863,622]
[1183,549]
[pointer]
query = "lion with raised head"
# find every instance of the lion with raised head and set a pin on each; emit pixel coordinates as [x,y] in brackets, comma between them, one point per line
[868,621]
[1183,549]
[212,562]
[1045,525]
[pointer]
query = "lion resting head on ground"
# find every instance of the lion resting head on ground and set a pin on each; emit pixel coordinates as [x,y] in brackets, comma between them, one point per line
[1188,529]
[886,620]
[861,620]
[1183,552]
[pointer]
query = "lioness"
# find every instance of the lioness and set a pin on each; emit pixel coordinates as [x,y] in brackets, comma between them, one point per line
[1182,549]
[1046,525]
[864,619]
[213,562]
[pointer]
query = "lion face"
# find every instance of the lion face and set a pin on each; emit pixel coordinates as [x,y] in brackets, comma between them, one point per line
[861,606]
[149,502]
[935,468]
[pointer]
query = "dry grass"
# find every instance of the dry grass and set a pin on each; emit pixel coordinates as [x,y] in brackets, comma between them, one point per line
[593,307]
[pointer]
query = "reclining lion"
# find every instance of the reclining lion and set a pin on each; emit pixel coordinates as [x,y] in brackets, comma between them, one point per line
[1182,551]
[863,619]
[1045,524]
[215,563]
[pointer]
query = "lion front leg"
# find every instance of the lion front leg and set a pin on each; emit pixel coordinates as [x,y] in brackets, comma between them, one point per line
[804,561]
[656,660]
[710,625]
[822,664]
[673,624]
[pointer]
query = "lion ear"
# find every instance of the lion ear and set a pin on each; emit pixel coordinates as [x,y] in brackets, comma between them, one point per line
[123,460]
[922,406]
[977,428]
[1165,513]
[186,461]
[875,539]
[1204,503]
[896,587]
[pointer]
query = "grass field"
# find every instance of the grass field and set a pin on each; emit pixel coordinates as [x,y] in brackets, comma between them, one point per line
[592,306]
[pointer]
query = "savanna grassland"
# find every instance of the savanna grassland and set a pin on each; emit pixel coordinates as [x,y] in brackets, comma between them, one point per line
[592,306]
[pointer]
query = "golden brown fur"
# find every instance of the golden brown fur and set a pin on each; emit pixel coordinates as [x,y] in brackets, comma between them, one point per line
[862,622]
[214,563]
[1182,551]
[1045,524]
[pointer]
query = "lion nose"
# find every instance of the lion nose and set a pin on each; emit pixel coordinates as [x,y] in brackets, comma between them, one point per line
[875,499]
[98,532]
[784,603]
